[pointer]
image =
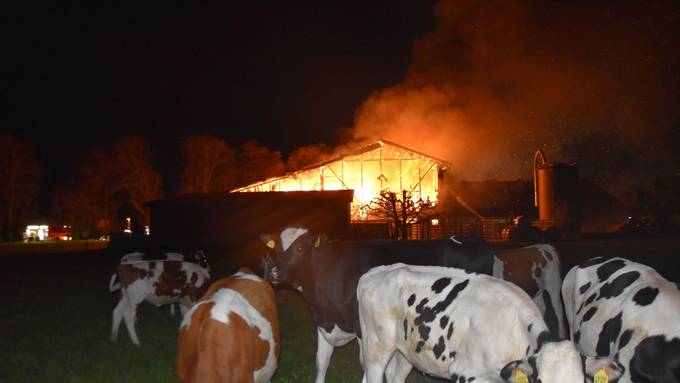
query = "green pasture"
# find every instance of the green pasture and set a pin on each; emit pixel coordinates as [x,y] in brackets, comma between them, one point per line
[56,319]
[57,322]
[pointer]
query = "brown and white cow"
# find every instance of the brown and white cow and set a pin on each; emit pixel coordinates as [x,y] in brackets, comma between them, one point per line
[232,334]
[156,282]
[327,272]
[198,257]
[536,269]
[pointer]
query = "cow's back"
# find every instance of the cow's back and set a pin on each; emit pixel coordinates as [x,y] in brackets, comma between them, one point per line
[338,266]
[536,269]
[448,320]
[232,334]
[619,308]
[467,253]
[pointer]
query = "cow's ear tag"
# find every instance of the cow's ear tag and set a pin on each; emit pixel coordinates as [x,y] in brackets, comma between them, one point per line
[271,244]
[318,242]
[520,377]
[601,377]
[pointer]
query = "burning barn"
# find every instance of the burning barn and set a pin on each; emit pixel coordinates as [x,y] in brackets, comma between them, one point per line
[382,166]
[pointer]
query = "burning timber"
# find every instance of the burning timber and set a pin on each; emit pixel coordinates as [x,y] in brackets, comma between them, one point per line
[379,167]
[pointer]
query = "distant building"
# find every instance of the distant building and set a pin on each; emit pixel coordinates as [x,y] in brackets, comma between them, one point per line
[382,166]
[227,226]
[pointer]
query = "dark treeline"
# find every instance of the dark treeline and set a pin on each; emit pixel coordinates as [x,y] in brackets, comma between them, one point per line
[110,183]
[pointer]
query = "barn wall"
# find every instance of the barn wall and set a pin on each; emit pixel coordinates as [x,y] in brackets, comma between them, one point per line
[230,224]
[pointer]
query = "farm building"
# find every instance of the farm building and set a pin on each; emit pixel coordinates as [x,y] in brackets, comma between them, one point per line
[382,166]
[227,226]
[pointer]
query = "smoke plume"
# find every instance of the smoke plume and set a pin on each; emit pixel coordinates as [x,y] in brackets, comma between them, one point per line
[593,83]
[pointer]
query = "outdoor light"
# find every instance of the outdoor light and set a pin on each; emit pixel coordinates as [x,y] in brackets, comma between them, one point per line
[128,225]
[36,232]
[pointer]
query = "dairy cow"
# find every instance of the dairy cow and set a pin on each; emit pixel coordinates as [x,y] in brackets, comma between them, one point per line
[301,258]
[156,282]
[464,327]
[536,269]
[198,257]
[626,310]
[231,334]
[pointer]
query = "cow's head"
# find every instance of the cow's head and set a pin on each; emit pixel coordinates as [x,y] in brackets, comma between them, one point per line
[201,259]
[289,253]
[560,362]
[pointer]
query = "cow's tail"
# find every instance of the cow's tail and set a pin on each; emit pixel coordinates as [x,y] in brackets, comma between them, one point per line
[113,284]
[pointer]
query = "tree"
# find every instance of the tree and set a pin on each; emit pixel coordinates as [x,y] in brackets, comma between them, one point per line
[399,212]
[87,202]
[307,156]
[132,158]
[258,162]
[20,173]
[208,165]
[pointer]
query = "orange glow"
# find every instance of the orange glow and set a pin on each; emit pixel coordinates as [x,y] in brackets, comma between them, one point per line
[383,166]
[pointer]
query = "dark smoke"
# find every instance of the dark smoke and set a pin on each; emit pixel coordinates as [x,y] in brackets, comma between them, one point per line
[589,82]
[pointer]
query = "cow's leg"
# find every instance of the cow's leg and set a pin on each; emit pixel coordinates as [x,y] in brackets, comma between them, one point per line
[183,309]
[324,351]
[397,368]
[375,360]
[377,350]
[117,317]
[361,352]
[130,316]
[135,294]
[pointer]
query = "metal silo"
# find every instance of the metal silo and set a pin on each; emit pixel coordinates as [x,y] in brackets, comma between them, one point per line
[557,196]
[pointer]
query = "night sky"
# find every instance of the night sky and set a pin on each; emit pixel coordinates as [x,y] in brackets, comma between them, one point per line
[287,74]
[481,84]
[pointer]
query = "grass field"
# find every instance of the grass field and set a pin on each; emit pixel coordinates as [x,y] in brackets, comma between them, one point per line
[56,320]
[51,247]
[56,325]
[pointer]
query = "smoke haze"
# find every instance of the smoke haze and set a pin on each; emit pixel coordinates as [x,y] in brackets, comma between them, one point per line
[593,83]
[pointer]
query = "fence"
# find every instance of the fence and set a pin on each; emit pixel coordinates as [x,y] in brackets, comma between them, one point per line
[494,229]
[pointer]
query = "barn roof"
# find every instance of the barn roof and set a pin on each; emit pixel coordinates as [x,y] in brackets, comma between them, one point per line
[442,164]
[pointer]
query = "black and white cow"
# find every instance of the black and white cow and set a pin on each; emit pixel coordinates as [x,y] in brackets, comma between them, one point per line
[622,309]
[462,326]
[327,272]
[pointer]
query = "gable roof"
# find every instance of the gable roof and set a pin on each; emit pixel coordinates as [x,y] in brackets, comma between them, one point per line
[443,164]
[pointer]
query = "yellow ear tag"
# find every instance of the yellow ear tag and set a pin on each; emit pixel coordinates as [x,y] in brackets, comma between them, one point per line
[271,244]
[318,242]
[601,377]
[520,377]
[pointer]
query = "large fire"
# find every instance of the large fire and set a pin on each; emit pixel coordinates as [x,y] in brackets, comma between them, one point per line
[383,166]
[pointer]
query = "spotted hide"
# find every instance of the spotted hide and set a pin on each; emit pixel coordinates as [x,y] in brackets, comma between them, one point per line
[460,326]
[231,334]
[327,272]
[536,269]
[198,257]
[619,308]
[159,283]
